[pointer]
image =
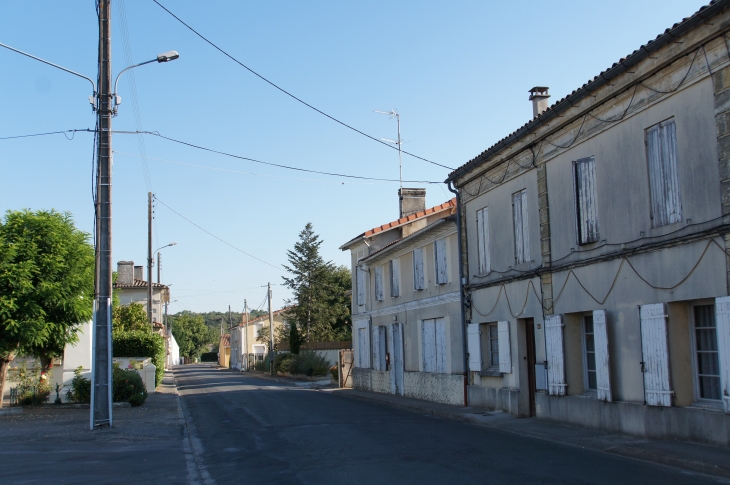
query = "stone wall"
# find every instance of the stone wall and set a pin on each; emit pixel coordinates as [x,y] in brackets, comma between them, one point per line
[444,388]
[505,399]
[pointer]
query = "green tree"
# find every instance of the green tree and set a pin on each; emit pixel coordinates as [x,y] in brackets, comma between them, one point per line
[130,317]
[294,339]
[190,332]
[46,285]
[321,306]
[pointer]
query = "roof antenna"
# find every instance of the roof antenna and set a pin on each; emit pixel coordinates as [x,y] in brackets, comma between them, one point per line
[394,114]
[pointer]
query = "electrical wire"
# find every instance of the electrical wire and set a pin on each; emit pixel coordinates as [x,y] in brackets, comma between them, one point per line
[63,132]
[290,94]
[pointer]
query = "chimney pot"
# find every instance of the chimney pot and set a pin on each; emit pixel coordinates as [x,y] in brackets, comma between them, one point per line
[125,273]
[411,201]
[539,97]
[139,273]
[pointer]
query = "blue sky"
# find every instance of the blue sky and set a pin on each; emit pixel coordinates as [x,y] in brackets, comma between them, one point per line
[458,72]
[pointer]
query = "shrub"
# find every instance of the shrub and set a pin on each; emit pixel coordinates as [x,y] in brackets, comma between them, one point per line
[278,360]
[289,363]
[80,388]
[209,357]
[311,363]
[334,372]
[34,386]
[127,386]
[138,343]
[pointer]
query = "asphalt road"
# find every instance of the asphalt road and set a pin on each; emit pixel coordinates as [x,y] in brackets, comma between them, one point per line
[253,430]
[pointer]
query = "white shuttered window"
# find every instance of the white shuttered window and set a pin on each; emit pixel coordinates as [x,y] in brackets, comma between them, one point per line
[661,150]
[379,283]
[485,264]
[419,277]
[585,199]
[380,348]
[505,353]
[363,348]
[655,353]
[555,354]
[722,319]
[521,226]
[439,252]
[360,286]
[602,364]
[474,347]
[394,278]
[433,340]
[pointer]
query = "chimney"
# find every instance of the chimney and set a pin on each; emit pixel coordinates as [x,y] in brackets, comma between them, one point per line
[539,97]
[124,272]
[139,273]
[411,201]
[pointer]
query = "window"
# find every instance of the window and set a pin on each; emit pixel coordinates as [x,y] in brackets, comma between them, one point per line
[439,251]
[493,333]
[379,283]
[706,353]
[589,354]
[433,341]
[485,265]
[585,200]
[522,237]
[363,348]
[661,151]
[394,278]
[380,348]
[419,279]
[360,286]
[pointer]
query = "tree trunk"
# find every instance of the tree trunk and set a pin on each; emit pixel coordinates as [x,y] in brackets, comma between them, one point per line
[4,365]
[46,363]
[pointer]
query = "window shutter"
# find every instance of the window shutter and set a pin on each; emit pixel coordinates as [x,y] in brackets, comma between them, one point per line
[379,283]
[376,348]
[485,265]
[587,213]
[661,151]
[722,320]
[525,229]
[669,157]
[522,237]
[505,355]
[428,340]
[555,354]
[440,324]
[363,348]
[474,347]
[360,286]
[394,277]
[655,354]
[439,248]
[603,370]
[418,276]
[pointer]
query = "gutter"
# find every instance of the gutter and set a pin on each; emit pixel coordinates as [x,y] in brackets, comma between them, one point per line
[462,282]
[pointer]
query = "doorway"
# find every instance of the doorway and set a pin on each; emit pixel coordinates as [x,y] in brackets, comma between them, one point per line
[530,351]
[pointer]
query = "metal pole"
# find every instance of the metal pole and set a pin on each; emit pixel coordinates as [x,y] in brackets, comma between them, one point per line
[101,390]
[158,266]
[271,336]
[245,334]
[149,257]
[400,158]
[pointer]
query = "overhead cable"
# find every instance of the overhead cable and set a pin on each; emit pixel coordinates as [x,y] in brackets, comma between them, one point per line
[290,94]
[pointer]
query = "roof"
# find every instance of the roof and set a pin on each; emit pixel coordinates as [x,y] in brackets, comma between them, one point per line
[226,340]
[448,205]
[618,68]
[139,284]
[405,240]
[266,317]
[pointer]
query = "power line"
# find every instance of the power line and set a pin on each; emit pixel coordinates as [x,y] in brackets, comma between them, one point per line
[290,94]
[221,240]
[63,132]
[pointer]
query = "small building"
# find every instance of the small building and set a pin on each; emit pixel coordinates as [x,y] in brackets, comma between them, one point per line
[131,286]
[247,350]
[224,350]
[406,321]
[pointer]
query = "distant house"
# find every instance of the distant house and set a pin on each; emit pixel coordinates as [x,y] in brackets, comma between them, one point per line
[406,320]
[132,287]
[224,350]
[246,348]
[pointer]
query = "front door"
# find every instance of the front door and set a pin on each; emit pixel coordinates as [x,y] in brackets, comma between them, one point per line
[530,346]
[396,362]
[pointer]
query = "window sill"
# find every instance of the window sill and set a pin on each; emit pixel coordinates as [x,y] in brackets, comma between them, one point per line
[490,373]
[708,406]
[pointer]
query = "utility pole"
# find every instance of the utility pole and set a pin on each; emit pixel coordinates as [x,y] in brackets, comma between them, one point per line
[101,389]
[159,265]
[149,257]
[245,335]
[271,335]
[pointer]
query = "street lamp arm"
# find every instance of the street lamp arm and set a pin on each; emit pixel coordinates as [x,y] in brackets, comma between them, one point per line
[93,85]
[127,69]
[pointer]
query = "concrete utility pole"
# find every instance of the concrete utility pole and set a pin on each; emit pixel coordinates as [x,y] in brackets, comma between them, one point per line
[159,266]
[101,389]
[271,336]
[149,257]
[245,335]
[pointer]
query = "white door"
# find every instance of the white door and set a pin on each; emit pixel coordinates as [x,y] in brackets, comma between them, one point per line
[655,352]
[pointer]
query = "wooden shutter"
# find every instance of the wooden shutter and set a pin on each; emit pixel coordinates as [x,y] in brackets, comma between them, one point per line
[603,370]
[376,348]
[440,324]
[485,264]
[585,190]
[428,342]
[379,283]
[505,349]
[394,278]
[418,276]
[439,249]
[522,236]
[555,354]
[363,348]
[473,340]
[360,286]
[661,151]
[722,320]
[655,352]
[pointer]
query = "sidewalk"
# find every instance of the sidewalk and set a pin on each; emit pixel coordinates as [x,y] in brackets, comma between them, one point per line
[696,457]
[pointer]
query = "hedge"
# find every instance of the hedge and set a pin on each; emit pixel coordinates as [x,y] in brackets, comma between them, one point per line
[140,343]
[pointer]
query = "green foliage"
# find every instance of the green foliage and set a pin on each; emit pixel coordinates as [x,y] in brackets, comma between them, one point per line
[312,363]
[281,331]
[209,357]
[294,340]
[138,343]
[34,386]
[288,363]
[334,372]
[278,360]
[321,303]
[80,388]
[191,333]
[46,283]
[130,317]
[127,386]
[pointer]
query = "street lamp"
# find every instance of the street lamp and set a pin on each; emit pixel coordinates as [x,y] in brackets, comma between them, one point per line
[150,260]
[164,57]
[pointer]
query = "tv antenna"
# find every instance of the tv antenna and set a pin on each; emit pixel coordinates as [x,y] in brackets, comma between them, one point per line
[394,114]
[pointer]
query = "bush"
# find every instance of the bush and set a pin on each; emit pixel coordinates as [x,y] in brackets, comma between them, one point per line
[334,372]
[209,357]
[127,386]
[34,386]
[311,363]
[278,360]
[80,388]
[138,343]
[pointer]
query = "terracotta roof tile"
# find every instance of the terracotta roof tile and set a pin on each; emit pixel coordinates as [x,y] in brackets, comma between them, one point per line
[139,284]
[448,205]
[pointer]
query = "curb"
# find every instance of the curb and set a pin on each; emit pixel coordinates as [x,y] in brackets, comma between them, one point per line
[9,411]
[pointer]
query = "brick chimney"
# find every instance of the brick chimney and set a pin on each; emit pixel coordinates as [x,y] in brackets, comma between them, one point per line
[139,273]
[411,201]
[539,97]
[125,272]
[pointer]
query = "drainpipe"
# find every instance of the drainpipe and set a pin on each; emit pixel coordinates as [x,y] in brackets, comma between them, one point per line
[462,282]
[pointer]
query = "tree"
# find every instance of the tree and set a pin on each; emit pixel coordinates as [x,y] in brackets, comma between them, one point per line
[321,306]
[46,285]
[130,317]
[190,332]
[281,332]
[294,340]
